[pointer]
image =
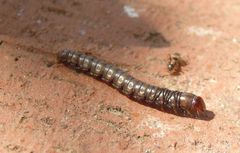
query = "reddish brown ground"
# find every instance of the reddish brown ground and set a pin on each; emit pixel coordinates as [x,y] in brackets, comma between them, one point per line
[48,108]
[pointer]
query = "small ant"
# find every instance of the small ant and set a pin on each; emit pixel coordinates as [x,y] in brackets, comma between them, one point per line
[175,63]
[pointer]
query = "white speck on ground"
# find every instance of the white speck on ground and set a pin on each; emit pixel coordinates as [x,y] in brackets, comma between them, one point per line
[82,32]
[238,123]
[236,40]
[201,32]
[20,12]
[149,151]
[161,128]
[238,87]
[130,11]
[39,21]
[212,80]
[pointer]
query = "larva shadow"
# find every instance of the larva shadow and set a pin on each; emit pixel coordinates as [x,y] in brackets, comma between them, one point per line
[209,115]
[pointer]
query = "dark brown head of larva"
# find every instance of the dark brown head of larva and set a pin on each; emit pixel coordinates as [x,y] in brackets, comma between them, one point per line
[194,105]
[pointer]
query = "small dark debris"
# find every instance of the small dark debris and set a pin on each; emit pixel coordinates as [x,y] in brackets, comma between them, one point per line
[56,77]
[49,63]
[76,3]
[196,142]
[1,42]
[56,10]
[16,59]
[15,148]
[117,108]
[22,119]
[143,137]
[48,121]
[175,145]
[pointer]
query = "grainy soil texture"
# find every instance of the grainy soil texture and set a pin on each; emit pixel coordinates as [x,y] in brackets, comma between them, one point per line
[46,107]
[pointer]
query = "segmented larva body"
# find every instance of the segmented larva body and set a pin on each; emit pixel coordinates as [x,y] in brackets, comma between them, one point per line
[180,103]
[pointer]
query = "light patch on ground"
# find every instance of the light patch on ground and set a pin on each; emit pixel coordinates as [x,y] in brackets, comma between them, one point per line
[160,128]
[82,32]
[212,80]
[236,40]
[130,11]
[201,32]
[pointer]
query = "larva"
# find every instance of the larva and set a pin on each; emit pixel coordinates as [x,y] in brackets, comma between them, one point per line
[176,102]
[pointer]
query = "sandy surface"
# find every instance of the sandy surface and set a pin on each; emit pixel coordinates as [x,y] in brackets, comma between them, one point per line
[48,108]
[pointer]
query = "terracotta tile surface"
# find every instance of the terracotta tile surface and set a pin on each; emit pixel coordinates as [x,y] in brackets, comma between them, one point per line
[47,108]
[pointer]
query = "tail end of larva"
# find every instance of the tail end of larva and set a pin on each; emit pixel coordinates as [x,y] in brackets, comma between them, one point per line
[62,55]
